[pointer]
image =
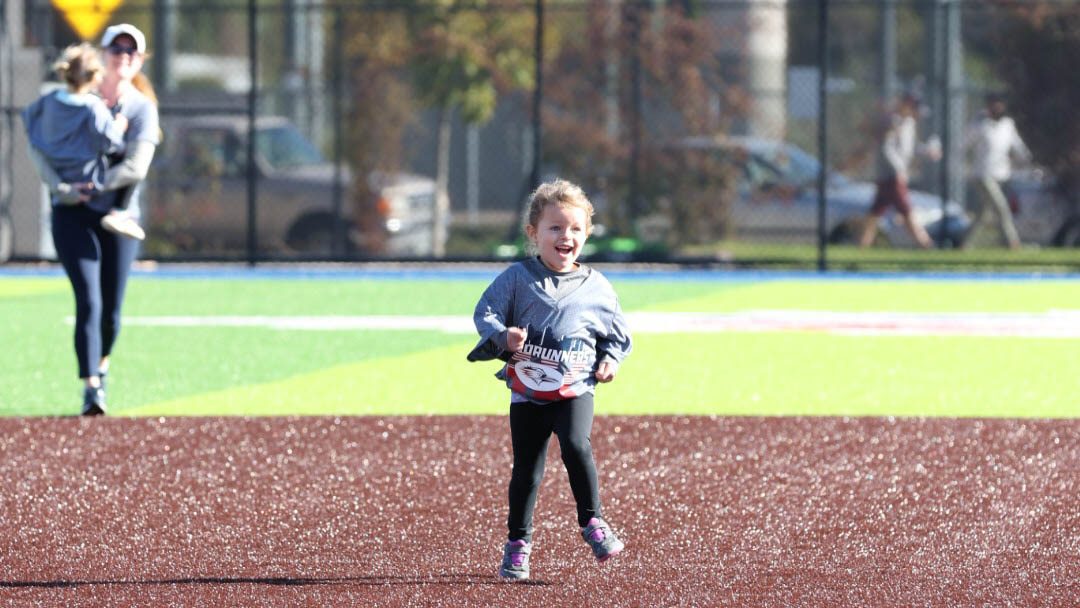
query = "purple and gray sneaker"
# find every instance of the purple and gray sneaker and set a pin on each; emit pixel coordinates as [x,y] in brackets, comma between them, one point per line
[515,562]
[603,541]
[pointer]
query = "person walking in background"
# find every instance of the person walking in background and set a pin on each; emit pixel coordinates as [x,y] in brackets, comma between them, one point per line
[897,149]
[993,142]
[96,260]
[558,325]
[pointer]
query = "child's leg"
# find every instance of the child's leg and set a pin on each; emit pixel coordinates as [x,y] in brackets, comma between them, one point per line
[573,426]
[123,199]
[530,429]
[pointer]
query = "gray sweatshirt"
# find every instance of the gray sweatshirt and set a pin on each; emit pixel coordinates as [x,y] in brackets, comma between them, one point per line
[573,322]
[74,132]
[126,171]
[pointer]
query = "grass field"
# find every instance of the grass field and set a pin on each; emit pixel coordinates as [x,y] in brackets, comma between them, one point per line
[1029,259]
[214,362]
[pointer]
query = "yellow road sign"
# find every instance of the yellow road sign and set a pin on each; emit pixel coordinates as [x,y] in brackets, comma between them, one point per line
[87,17]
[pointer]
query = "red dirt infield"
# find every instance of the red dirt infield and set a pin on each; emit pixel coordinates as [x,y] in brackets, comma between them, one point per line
[411,512]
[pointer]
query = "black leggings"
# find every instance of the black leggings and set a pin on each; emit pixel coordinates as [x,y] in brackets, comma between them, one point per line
[97,263]
[531,426]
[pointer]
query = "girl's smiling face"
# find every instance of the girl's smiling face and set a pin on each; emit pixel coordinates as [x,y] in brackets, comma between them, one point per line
[559,235]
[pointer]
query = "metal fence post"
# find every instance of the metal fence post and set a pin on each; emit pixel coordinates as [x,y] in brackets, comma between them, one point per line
[822,134]
[888,49]
[164,44]
[253,98]
[637,15]
[338,246]
[538,94]
[950,72]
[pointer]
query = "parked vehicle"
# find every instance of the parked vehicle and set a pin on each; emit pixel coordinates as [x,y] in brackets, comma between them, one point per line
[776,196]
[6,235]
[198,199]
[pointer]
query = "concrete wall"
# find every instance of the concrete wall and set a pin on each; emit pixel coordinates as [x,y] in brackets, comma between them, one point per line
[21,71]
[754,50]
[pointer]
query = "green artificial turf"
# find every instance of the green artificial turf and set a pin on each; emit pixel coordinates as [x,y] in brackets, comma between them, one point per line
[979,259]
[261,371]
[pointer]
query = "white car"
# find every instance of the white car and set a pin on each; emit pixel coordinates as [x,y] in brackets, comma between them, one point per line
[777,196]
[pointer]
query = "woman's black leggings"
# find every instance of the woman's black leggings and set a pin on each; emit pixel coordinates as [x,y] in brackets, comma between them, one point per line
[531,425]
[97,263]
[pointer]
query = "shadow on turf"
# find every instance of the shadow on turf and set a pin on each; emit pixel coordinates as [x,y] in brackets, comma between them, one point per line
[443,579]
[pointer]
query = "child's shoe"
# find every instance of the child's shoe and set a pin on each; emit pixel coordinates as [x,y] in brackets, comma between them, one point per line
[515,562]
[601,539]
[122,224]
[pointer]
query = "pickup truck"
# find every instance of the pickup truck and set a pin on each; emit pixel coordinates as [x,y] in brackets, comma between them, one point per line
[197,201]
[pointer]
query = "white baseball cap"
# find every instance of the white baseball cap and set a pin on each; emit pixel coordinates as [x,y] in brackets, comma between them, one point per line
[121,29]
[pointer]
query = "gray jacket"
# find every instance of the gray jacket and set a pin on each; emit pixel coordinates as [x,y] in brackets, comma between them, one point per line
[127,170]
[74,133]
[568,334]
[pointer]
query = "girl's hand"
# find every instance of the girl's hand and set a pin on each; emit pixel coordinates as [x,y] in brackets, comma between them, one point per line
[606,371]
[515,338]
[87,191]
[74,194]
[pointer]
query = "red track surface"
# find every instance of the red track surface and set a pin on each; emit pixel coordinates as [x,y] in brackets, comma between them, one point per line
[411,511]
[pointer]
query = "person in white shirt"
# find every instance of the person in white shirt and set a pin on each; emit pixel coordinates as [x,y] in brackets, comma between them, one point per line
[898,146]
[993,143]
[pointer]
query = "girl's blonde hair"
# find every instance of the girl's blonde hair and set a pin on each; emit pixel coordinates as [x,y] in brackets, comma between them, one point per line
[562,193]
[78,66]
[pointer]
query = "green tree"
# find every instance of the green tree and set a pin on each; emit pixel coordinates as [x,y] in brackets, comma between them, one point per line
[378,103]
[402,58]
[465,55]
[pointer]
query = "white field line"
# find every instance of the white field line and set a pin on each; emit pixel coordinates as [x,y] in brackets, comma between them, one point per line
[1051,324]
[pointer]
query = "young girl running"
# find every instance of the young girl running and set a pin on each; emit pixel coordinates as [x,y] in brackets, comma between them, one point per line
[558,325]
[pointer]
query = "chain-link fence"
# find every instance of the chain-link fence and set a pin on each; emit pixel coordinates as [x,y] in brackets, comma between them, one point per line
[391,130]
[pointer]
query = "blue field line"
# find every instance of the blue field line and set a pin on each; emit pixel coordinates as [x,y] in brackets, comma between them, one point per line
[486,272]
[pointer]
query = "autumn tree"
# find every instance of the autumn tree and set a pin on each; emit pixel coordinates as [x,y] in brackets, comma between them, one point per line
[626,81]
